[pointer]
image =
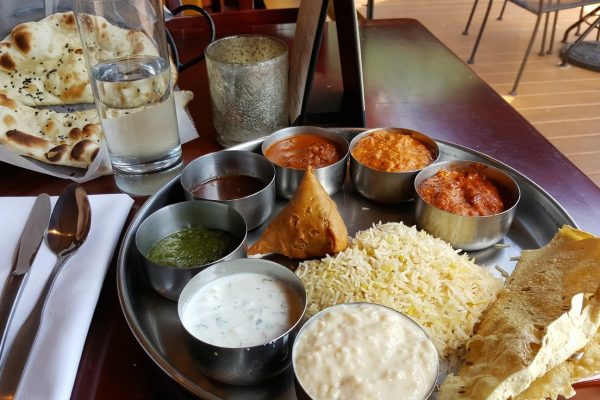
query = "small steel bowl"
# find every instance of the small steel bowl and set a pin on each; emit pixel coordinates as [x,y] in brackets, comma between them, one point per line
[302,394]
[245,365]
[168,280]
[387,187]
[255,208]
[468,232]
[331,177]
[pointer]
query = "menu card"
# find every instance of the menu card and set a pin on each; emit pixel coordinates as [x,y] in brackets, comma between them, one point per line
[307,40]
[303,60]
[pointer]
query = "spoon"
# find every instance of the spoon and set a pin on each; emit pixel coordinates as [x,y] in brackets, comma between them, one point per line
[68,228]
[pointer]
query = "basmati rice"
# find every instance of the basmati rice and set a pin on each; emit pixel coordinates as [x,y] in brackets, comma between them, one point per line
[410,271]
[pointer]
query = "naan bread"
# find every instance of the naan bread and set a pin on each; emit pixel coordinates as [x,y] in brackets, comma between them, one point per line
[71,139]
[550,311]
[42,63]
[308,226]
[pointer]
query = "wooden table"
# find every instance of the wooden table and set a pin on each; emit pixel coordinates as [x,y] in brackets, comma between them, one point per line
[411,80]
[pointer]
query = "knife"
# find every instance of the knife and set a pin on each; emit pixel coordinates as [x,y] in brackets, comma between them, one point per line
[30,241]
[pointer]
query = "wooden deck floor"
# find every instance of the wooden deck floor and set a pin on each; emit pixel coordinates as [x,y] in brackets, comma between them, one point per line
[562,103]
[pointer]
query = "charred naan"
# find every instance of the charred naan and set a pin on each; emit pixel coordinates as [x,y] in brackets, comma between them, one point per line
[550,311]
[309,225]
[71,139]
[42,63]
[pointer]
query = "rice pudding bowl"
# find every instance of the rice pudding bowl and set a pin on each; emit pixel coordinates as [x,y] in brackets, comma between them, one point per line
[364,350]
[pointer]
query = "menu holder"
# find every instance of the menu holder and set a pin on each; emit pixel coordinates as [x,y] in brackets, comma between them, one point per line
[307,42]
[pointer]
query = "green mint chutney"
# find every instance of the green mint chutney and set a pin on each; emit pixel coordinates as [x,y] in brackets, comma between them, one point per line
[192,247]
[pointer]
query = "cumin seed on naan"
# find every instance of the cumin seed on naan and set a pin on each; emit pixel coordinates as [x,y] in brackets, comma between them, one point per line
[71,139]
[42,63]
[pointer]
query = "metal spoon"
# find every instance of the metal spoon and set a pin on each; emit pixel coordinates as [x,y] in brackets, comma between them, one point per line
[67,230]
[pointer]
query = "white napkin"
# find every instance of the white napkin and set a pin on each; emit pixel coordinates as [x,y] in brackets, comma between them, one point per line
[54,360]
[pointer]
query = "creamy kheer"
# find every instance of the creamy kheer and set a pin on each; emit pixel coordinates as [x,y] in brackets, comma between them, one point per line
[364,351]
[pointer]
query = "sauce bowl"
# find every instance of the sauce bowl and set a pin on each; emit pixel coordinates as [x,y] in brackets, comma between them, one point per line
[468,232]
[234,364]
[168,280]
[331,177]
[387,349]
[256,207]
[382,186]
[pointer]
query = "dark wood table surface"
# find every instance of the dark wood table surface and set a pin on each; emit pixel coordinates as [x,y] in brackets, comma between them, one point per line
[411,80]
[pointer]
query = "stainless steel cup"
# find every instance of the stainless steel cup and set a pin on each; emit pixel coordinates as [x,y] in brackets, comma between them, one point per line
[167,280]
[248,82]
[255,208]
[468,232]
[331,177]
[386,187]
[247,365]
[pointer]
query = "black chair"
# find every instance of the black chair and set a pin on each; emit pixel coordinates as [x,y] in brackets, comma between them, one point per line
[538,7]
[585,54]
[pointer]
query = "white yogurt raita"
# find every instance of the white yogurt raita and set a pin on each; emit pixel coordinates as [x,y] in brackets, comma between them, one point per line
[242,310]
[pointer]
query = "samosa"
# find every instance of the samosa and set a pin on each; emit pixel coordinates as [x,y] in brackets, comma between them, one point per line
[309,226]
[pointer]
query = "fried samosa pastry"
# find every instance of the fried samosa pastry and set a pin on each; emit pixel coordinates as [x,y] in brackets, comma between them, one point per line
[309,226]
[549,312]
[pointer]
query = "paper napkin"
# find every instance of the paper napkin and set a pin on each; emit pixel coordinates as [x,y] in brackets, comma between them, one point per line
[54,360]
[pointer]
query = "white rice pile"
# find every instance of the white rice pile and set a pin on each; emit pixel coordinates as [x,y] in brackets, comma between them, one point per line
[410,271]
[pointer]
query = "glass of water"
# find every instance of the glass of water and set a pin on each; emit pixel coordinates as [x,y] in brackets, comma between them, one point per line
[125,47]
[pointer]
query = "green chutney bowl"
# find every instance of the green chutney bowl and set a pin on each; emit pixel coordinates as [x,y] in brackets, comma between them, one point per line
[170,280]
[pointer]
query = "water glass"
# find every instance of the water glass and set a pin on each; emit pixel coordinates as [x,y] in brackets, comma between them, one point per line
[248,82]
[124,44]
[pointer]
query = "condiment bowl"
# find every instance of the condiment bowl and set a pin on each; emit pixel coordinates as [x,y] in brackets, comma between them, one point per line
[168,280]
[468,232]
[259,358]
[382,186]
[331,176]
[257,206]
[367,339]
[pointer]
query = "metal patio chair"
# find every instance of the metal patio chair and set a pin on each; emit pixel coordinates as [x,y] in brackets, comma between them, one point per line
[538,7]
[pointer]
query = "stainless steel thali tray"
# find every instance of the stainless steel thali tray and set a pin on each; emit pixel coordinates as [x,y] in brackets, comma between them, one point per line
[154,321]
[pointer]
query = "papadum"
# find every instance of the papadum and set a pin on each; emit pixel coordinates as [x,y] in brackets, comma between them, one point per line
[549,313]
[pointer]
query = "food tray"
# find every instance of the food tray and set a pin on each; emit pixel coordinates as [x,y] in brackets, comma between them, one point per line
[154,321]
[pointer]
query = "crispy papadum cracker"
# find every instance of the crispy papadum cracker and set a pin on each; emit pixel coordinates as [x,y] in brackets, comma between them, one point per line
[585,363]
[560,379]
[546,315]
[309,225]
